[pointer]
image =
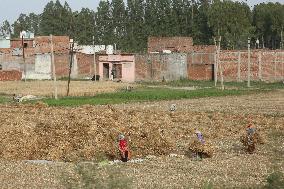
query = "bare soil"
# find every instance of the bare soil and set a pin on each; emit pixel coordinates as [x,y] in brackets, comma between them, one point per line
[70,136]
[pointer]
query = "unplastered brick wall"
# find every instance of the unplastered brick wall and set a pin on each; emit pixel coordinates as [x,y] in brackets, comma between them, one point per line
[60,44]
[85,63]
[267,65]
[200,71]
[204,48]
[174,44]
[11,75]
[201,62]
[61,65]
[17,43]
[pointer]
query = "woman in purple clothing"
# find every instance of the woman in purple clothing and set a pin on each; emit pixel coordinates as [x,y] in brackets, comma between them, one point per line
[199,136]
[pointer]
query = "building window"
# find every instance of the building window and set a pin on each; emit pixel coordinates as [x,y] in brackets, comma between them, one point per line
[25,45]
[0,66]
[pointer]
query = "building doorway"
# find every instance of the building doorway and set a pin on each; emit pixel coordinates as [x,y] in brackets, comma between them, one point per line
[105,71]
[117,71]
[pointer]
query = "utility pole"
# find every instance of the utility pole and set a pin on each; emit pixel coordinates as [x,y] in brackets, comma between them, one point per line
[53,67]
[70,66]
[216,63]
[192,13]
[95,66]
[219,62]
[24,59]
[248,62]
[281,38]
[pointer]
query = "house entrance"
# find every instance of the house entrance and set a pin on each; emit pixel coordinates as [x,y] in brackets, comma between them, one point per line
[106,71]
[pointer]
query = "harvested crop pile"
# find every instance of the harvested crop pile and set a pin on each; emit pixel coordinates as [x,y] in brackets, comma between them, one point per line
[205,149]
[86,132]
[257,139]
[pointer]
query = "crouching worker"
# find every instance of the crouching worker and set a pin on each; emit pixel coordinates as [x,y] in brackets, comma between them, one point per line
[202,142]
[199,136]
[123,148]
[250,138]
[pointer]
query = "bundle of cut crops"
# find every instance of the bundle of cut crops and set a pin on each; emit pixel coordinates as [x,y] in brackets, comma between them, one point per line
[197,147]
[256,137]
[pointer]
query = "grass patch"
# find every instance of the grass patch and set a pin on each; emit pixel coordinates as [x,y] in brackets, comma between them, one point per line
[90,175]
[4,99]
[203,84]
[275,181]
[144,94]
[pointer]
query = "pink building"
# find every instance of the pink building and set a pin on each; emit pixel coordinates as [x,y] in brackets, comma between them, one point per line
[117,66]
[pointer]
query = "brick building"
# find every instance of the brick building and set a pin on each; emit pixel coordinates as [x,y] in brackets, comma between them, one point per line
[173,44]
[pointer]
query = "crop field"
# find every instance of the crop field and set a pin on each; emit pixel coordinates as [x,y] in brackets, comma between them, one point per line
[46,146]
[46,88]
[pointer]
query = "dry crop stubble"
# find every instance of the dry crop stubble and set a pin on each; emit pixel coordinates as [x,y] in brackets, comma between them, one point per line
[73,134]
[79,134]
[45,88]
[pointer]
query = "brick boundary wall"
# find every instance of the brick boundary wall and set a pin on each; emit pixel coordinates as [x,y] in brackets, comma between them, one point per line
[174,44]
[266,65]
[12,75]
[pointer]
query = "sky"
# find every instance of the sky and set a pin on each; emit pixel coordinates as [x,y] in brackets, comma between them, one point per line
[11,9]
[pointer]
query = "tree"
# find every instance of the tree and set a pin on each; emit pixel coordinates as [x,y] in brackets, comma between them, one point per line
[231,20]
[5,29]
[269,22]
[84,26]
[118,22]
[56,19]
[135,31]
[27,23]
[202,33]
[103,24]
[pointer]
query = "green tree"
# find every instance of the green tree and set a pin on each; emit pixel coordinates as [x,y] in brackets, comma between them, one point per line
[135,31]
[5,29]
[269,22]
[118,23]
[202,33]
[19,25]
[84,26]
[57,19]
[103,24]
[231,20]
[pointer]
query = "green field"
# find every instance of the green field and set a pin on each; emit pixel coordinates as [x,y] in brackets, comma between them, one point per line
[144,94]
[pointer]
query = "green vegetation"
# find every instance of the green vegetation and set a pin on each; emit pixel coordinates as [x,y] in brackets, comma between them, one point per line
[228,85]
[208,185]
[88,175]
[144,94]
[155,91]
[4,99]
[129,23]
[275,181]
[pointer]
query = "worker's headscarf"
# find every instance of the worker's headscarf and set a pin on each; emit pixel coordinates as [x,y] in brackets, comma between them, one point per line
[121,137]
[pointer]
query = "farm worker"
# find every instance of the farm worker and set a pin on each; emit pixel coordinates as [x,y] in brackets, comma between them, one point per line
[123,148]
[250,137]
[199,136]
